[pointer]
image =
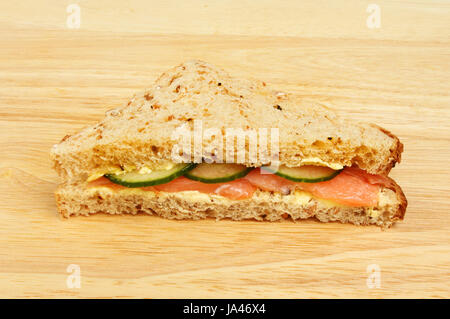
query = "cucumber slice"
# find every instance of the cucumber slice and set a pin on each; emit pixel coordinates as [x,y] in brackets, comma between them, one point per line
[134,179]
[307,173]
[217,173]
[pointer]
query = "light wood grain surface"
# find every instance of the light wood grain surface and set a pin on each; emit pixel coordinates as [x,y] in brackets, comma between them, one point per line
[55,80]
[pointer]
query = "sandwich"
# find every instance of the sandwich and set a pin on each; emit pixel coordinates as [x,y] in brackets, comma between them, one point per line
[200,143]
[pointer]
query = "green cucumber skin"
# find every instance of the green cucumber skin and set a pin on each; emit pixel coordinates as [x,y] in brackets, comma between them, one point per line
[307,180]
[220,179]
[113,178]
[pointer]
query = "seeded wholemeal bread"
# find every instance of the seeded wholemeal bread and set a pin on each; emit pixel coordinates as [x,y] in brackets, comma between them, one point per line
[77,199]
[139,134]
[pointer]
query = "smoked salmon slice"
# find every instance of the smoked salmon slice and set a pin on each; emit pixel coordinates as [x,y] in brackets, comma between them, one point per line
[237,189]
[352,187]
[270,182]
[346,188]
[370,178]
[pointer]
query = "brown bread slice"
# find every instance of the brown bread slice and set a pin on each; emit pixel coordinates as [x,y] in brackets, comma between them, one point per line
[139,134]
[78,199]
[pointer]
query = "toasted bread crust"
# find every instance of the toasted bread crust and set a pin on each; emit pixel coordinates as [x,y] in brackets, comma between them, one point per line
[139,134]
[403,202]
[396,151]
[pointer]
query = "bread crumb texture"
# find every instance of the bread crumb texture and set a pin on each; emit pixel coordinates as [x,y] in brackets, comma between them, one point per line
[139,133]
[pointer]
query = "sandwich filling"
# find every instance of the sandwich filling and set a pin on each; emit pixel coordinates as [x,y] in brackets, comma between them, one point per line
[349,186]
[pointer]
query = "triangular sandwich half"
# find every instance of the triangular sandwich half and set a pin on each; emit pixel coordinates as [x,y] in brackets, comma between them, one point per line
[327,167]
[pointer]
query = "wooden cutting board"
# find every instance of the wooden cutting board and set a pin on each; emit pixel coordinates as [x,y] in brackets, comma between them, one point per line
[55,80]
